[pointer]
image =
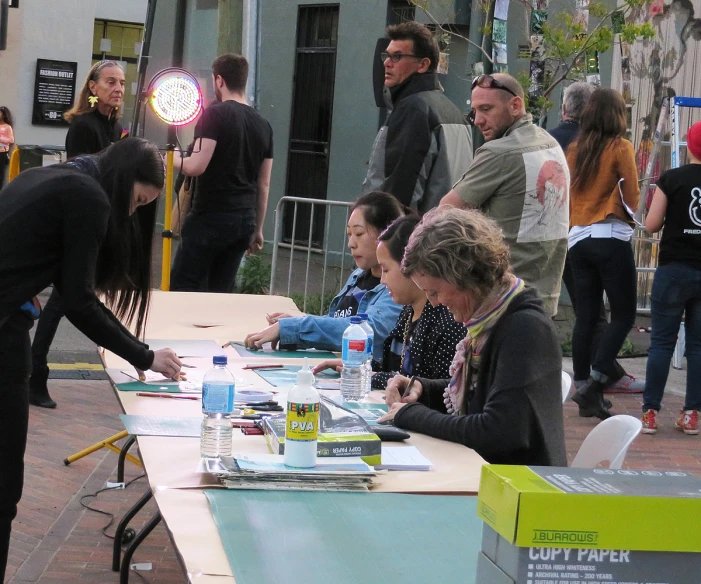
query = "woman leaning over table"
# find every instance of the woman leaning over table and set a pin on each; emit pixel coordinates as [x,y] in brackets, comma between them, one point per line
[94,126]
[78,225]
[363,292]
[504,399]
[599,241]
[423,341]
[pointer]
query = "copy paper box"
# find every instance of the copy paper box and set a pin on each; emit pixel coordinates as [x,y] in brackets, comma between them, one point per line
[501,562]
[592,508]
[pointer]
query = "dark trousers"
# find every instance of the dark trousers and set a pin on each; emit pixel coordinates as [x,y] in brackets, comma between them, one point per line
[211,248]
[617,371]
[50,318]
[4,159]
[598,266]
[15,363]
[676,289]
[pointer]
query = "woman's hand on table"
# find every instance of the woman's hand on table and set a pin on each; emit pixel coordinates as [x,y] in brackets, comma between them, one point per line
[165,362]
[335,364]
[397,386]
[389,416]
[267,335]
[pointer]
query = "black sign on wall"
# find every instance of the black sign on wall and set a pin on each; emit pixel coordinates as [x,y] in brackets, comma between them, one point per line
[54,91]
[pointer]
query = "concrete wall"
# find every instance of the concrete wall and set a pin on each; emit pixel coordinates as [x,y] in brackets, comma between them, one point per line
[51,29]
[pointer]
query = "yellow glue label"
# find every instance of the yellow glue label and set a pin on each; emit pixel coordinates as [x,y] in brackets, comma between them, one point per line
[302,422]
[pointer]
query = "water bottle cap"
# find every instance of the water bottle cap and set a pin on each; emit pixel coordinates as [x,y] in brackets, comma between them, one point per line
[219,360]
[356,320]
[363,316]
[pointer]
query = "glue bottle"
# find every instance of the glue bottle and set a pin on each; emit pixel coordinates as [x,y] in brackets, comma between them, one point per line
[302,423]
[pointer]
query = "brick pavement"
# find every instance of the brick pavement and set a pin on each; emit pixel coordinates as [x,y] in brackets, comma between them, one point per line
[55,541]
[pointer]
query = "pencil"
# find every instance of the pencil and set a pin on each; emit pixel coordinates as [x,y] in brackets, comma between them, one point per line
[167,395]
[408,387]
[251,367]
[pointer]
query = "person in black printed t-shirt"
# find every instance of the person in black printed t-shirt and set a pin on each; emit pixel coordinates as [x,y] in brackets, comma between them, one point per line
[676,289]
[233,159]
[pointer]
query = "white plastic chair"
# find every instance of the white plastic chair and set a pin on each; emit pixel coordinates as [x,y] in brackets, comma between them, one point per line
[566,386]
[608,442]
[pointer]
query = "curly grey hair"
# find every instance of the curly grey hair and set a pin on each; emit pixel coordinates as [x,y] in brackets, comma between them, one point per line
[459,246]
[576,97]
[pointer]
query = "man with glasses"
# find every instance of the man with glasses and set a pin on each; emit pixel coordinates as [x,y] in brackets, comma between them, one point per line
[424,145]
[519,177]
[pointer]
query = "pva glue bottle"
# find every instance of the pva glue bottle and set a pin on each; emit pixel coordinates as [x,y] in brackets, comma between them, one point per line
[302,424]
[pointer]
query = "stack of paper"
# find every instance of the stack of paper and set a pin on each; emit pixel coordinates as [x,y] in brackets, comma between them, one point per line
[268,472]
[403,458]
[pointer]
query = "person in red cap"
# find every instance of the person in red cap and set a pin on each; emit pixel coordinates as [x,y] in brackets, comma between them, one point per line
[676,290]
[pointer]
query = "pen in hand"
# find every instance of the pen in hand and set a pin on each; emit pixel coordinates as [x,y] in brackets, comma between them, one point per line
[408,387]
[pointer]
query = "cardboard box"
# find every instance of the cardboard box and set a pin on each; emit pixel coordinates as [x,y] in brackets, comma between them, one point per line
[367,445]
[592,508]
[501,562]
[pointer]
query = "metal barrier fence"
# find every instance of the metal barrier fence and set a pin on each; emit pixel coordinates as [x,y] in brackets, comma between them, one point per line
[304,210]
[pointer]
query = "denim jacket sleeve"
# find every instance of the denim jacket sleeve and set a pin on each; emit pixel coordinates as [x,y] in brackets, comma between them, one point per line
[325,332]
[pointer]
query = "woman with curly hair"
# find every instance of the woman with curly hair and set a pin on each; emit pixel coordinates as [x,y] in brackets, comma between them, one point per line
[504,398]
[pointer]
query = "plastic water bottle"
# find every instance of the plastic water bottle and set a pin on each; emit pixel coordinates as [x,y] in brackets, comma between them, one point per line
[218,388]
[354,354]
[367,380]
[302,421]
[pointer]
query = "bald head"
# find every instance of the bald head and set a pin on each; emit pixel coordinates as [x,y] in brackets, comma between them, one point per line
[498,108]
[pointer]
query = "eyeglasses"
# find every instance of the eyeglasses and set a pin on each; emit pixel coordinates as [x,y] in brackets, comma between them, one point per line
[488,82]
[396,57]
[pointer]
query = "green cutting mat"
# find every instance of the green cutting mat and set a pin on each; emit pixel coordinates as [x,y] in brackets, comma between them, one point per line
[282,537]
[148,387]
[287,376]
[267,353]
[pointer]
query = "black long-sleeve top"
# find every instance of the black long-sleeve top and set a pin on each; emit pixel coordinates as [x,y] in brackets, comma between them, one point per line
[514,415]
[90,133]
[431,349]
[52,223]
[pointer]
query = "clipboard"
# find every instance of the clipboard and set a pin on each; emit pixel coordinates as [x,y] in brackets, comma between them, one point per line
[627,209]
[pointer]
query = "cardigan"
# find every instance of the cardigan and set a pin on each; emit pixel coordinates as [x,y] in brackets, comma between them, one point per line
[432,347]
[514,412]
[599,198]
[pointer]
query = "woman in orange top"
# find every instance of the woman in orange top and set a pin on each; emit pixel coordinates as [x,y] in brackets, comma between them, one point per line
[7,139]
[599,241]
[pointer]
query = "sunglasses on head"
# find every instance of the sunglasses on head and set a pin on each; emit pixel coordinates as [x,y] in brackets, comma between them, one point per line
[486,82]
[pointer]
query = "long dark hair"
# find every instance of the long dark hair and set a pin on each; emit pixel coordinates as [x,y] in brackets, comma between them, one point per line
[603,121]
[123,271]
[380,209]
[396,236]
[6,116]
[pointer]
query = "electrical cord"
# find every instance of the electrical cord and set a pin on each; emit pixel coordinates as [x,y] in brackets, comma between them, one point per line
[100,511]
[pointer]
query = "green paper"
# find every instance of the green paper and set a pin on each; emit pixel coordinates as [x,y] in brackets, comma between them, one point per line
[162,425]
[268,353]
[287,376]
[347,538]
[148,387]
[499,31]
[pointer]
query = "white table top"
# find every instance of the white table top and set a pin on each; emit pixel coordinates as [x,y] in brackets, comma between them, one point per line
[171,463]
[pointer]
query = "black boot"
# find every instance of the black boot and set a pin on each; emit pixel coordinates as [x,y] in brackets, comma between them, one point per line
[590,399]
[38,390]
[589,413]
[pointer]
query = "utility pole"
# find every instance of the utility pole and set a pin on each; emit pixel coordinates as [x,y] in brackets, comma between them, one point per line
[230,38]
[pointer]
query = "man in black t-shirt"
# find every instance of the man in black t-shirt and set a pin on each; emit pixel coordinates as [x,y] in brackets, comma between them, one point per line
[233,159]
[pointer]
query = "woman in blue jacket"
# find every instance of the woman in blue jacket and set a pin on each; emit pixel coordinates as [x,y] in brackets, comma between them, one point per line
[363,292]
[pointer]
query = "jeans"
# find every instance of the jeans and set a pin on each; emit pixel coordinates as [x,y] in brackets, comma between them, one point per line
[616,372]
[601,265]
[15,364]
[675,290]
[50,318]
[211,248]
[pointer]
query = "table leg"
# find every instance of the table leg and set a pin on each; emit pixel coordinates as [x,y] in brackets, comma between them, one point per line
[122,457]
[117,546]
[141,536]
